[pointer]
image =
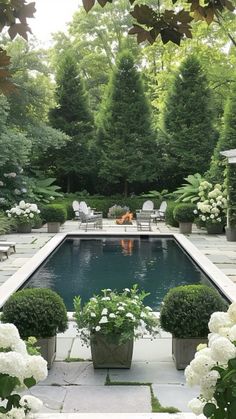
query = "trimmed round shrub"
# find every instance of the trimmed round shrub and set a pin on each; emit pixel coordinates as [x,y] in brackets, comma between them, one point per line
[38,312]
[169,214]
[183,213]
[187,309]
[54,213]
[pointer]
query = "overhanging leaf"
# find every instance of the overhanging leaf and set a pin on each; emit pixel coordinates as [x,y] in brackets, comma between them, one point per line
[88,4]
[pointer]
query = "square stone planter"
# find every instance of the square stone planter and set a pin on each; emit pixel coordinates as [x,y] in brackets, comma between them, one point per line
[183,350]
[185,228]
[106,354]
[53,227]
[47,349]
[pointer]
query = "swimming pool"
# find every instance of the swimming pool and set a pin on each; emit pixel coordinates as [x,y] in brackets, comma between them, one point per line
[84,266]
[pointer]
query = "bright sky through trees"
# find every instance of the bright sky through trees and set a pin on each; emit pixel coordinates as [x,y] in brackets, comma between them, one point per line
[52,16]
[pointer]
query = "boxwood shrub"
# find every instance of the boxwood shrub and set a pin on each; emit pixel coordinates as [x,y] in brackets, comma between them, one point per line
[38,312]
[183,213]
[186,310]
[169,214]
[54,213]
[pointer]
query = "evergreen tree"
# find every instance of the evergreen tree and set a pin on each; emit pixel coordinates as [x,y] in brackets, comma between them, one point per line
[126,139]
[73,117]
[188,122]
[227,138]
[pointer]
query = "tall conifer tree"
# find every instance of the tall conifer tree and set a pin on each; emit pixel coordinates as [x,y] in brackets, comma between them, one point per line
[126,139]
[188,122]
[72,116]
[227,138]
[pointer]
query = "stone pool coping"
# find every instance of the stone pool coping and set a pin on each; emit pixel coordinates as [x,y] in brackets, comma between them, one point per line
[222,282]
[119,416]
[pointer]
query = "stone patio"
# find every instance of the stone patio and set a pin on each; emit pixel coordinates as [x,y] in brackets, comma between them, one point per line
[73,386]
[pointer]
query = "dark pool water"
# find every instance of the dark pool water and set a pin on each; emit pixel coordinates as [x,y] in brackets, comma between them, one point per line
[85,266]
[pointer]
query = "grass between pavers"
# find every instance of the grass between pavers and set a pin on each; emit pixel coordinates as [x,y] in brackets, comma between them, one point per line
[156,405]
[68,359]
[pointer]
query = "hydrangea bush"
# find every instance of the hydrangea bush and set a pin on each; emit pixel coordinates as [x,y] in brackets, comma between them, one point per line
[18,370]
[214,369]
[119,316]
[212,205]
[23,213]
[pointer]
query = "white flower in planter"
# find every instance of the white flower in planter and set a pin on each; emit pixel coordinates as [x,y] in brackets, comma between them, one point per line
[219,319]
[103,320]
[196,405]
[222,350]
[104,312]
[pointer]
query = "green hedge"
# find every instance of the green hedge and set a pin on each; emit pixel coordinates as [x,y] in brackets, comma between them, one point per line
[104,203]
[169,215]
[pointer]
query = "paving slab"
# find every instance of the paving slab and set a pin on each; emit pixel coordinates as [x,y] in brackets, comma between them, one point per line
[52,397]
[175,395]
[149,372]
[67,373]
[107,399]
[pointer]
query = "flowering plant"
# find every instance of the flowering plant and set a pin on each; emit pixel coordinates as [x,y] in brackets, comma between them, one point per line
[212,205]
[24,212]
[18,369]
[117,211]
[214,368]
[119,316]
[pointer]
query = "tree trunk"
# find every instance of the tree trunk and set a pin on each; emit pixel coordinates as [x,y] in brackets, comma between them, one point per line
[126,188]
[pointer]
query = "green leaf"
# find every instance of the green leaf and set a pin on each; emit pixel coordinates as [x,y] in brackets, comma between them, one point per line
[209,409]
[232,363]
[7,385]
[29,382]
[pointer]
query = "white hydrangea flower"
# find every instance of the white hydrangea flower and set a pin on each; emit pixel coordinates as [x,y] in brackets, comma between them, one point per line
[22,205]
[20,347]
[127,289]
[104,320]
[204,351]
[120,308]
[104,312]
[105,299]
[31,402]
[208,381]
[202,364]
[192,378]
[224,331]
[211,338]
[36,367]
[9,335]
[232,333]
[112,315]
[219,319]
[201,346]
[207,392]
[222,350]
[92,314]
[130,316]
[13,364]
[196,406]
[97,328]
[14,413]
[31,215]
[232,311]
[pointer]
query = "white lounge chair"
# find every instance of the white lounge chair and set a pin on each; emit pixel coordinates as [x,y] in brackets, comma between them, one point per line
[160,213]
[143,219]
[12,245]
[147,206]
[89,217]
[4,250]
[76,207]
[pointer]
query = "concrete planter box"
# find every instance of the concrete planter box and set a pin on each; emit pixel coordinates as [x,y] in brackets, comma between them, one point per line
[214,228]
[185,228]
[24,228]
[230,234]
[183,350]
[48,349]
[53,227]
[106,354]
